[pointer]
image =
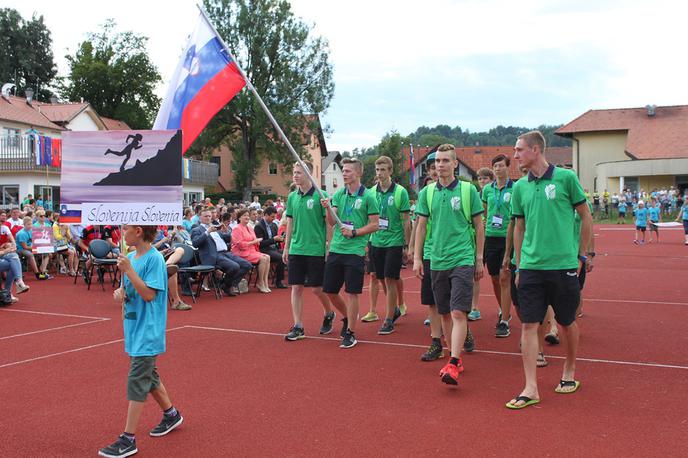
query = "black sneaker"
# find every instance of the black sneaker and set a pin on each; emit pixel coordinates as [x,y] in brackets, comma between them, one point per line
[397,314]
[345,326]
[295,333]
[499,320]
[121,448]
[349,340]
[469,343]
[166,425]
[387,327]
[502,329]
[326,327]
[434,353]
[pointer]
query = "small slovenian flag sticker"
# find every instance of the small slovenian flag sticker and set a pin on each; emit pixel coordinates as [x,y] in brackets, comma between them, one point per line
[69,216]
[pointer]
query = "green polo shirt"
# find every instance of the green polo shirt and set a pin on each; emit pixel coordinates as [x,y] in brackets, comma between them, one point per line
[308,225]
[577,228]
[353,209]
[453,243]
[427,245]
[498,202]
[546,203]
[394,234]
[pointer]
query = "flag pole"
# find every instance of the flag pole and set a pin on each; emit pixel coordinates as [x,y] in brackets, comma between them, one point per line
[272,119]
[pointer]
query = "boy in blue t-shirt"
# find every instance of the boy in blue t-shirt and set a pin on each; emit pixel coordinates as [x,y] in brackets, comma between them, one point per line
[683,214]
[143,295]
[640,222]
[655,214]
[621,219]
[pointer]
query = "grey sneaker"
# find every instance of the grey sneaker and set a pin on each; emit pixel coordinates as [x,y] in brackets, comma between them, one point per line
[243,286]
[295,333]
[349,340]
[166,425]
[121,448]
[469,343]
[434,353]
[181,305]
[502,329]
[387,327]
[326,327]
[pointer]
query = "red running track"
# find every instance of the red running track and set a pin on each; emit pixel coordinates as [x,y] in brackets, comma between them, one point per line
[244,391]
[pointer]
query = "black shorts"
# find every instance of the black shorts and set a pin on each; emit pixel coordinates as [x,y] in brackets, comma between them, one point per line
[369,264]
[493,254]
[685,226]
[654,227]
[514,289]
[581,278]
[539,288]
[426,295]
[640,228]
[306,270]
[344,269]
[387,261]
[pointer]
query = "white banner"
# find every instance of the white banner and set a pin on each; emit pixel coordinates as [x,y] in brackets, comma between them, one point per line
[669,224]
[149,214]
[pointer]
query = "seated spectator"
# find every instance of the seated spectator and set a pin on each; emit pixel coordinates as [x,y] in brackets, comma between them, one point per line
[8,253]
[41,219]
[245,244]
[267,231]
[213,242]
[163,242]
[15,221]
[112,235]
[186,222]
[253,216]
[63,248]
[24,243]
[181,235]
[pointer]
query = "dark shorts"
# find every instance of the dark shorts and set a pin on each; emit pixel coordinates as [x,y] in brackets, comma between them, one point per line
[539,288]
[581,278]
[453,289]
[306,270]
[143,378]
[493,254]
[653,226]
[426,295]
[344,269]
[387,261]
[514,289]
[369,264]
[640,228]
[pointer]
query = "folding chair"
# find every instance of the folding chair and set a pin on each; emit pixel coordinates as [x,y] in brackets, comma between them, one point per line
[200,270]
[99,250]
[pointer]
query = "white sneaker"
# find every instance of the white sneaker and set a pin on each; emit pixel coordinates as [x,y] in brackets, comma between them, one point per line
[243,286]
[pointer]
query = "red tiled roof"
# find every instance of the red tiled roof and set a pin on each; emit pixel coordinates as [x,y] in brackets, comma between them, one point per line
[477,157]
[649,137]
[114,124]
[62,112]
[16,109]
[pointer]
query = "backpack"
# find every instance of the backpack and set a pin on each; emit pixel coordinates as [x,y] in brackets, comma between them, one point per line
[465,197]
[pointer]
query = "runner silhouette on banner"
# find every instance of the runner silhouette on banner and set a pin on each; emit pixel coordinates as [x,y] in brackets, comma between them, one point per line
[135,144]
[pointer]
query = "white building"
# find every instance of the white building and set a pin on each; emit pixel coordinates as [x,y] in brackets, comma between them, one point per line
[332,177]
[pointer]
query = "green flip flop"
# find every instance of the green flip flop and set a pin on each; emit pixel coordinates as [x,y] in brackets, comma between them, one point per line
[526,402]
[567,384]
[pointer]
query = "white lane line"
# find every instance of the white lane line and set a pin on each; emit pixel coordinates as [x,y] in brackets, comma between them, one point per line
[403,278]
[38,312]
[395,344]
[74,350]
[53,329]
[629,229]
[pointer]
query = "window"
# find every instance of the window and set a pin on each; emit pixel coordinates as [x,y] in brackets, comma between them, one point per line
[217,160]
[10,138]
[272,169]
[48,195]
[192,197]
[631,183]
[10,195]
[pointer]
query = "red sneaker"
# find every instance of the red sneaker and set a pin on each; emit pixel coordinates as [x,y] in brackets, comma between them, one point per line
[450,373]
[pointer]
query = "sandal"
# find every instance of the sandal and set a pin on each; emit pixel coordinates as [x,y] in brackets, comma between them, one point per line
[564,384]
[526,402]
[541,361]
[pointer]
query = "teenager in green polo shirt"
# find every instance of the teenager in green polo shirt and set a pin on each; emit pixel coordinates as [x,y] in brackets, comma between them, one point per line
[304,250]
[454,265]
[497,203]
[547,262]
[358,210]
[387,244]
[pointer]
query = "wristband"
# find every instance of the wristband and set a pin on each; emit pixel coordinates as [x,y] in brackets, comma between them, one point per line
[516,270]
[591,254]
[353,233]
[583,258]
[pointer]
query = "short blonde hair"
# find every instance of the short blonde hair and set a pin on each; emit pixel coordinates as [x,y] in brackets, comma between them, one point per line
[447,147]
[485,172]
[306,163]
[353,161]
[27,219]
[385,160]
[534,138]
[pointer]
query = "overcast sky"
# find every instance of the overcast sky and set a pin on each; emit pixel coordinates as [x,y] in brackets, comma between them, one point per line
[402,64]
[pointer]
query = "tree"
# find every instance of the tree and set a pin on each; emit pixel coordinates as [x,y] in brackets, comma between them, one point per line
[111,71]
[290,69]
[26,56]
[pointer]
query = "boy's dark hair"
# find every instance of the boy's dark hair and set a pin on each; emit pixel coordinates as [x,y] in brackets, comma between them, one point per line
[198,209]
[270,211]
[501,157]
[226,217]
[241,213]
[149,233]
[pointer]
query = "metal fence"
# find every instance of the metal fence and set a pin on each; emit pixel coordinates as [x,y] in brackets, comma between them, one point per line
[203,173]
[18,154]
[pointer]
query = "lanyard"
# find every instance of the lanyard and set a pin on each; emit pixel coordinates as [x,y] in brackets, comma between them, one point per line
[499,194]
[348,209]
[383,201]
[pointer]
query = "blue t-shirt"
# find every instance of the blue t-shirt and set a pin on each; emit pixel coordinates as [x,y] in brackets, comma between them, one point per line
[641,217]
[654,214]
[144,322]
[23,236]
[622,207]
[685,212]
[188,224]
[194,220]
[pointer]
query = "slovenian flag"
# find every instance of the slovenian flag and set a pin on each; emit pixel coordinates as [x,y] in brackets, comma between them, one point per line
[205,80]
[412,170]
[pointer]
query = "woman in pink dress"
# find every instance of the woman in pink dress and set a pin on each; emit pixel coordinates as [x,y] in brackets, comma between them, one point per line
[245,245]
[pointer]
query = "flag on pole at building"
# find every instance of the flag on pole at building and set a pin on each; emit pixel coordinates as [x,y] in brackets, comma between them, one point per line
[412,171]
[186,169]
[205,80]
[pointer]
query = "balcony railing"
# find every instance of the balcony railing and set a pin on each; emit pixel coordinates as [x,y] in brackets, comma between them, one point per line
[17,154]
[203,173]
